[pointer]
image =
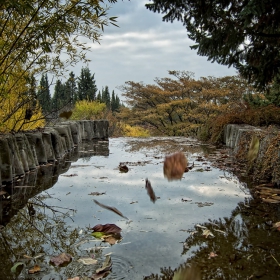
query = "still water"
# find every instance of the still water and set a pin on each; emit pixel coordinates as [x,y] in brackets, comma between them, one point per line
[152,238]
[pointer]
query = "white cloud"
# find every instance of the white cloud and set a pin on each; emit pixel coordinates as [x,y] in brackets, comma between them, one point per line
[143,48]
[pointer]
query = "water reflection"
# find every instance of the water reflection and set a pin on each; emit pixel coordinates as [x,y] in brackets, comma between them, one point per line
[153,243]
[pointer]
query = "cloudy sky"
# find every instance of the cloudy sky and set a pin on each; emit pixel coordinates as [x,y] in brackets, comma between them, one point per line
[143,48]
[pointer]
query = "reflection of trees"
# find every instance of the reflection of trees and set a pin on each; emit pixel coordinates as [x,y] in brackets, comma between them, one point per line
[248,249]
[40,234]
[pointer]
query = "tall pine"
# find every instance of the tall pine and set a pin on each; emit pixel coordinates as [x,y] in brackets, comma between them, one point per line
[58,100]
[86,85]
[43,94]
[106,97]
[71,89]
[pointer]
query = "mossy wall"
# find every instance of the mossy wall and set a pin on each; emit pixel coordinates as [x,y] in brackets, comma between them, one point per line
[262,159]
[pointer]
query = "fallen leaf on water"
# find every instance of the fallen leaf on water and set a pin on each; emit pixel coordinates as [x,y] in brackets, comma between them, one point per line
[61,259]
[150,191]
[75,278]
[276,225]
[112,239]
[113,209]
[123,168]
[16,265]
[97,193]
[207,232]
[212,255]
[87,261]
[174,166]
[107,228]
[70,175]
[35,269]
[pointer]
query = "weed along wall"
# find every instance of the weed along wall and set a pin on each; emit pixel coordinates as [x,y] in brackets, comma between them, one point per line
[25,151]
[258,149]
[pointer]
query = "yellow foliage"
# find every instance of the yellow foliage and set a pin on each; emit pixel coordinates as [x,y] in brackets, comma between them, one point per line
[18,108]
[88,110]
[133,131]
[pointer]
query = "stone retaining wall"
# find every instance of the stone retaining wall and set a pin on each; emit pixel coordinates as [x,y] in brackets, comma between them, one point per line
[24,151]
[264,166]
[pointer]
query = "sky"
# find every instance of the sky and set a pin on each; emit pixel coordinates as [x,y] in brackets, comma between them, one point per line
[143,48]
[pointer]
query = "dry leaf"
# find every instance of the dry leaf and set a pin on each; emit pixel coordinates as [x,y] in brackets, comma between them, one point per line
[35,269]
[87,261]
[150,191]
[61,259]
[113,209]
[75,278]
[174,166]
[207,232]
[212,255]
[107,228]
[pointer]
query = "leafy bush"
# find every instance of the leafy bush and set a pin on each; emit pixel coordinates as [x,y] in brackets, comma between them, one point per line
[133,131]
[243,114]
[88,110]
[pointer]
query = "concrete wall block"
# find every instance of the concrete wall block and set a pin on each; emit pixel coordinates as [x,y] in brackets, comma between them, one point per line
[58,149]
[6,161]
[65,132]
[47,142]
[37,147]
[17,166]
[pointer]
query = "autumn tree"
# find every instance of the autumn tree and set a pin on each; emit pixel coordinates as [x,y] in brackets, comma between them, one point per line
[242,34]
[181,105]
[34,34]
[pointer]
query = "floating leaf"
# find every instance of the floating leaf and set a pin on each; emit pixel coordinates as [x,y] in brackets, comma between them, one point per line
[87,261]
[97,193]
[75,278]
[174,166]
[16,265]
[113,209]
[61,259]
[207,232]
[35,269]
[107,228]
[123,168]
[150,191]
[212,255]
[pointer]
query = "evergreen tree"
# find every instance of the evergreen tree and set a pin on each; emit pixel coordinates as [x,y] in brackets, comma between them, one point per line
[43,94]
[71,89]
[86,85]
[99,97]
[106,97]
[238,33]
[58,100]
[115,102]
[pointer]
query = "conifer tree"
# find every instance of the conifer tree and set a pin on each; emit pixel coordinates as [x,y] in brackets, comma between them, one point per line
[106,97]
[43,94]
[86,85]
[238,33]
[71,89]
[115,102]
[58,100]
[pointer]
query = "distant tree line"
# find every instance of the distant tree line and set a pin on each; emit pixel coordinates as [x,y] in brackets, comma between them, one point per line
[74,89]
